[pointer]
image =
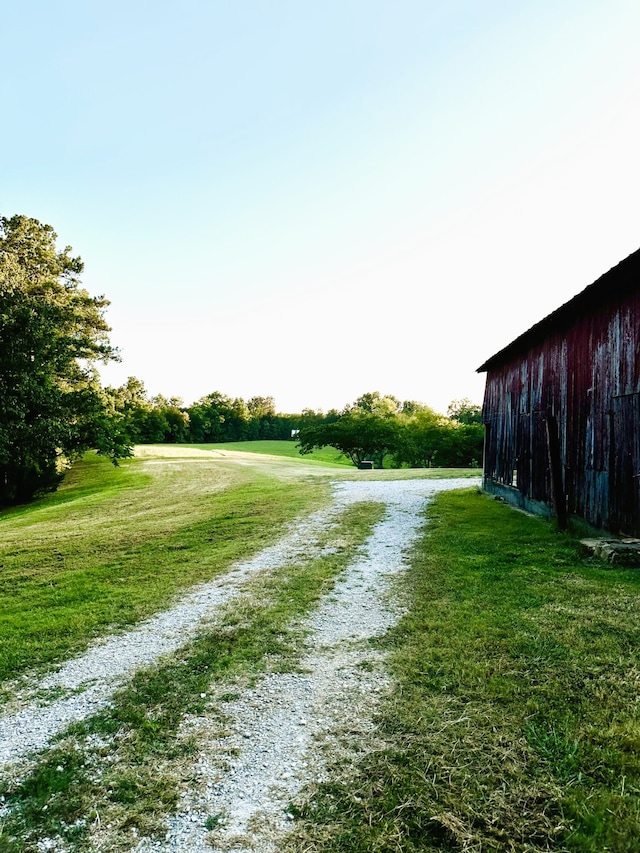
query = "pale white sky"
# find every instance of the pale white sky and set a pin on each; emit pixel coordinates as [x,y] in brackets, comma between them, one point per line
[314,200]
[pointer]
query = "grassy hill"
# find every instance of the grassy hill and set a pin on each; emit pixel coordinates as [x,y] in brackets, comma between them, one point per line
[288,449]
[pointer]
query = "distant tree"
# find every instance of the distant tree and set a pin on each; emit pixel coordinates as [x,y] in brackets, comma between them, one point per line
[133,408]
[411,407]
[237,421]
[52,333]
[314,417]
[210,418]
[261,407]
[216,417]
[421,438]
[116,425]
[466,442]
[374,403]
[174,417]
[464,411]
[356,433]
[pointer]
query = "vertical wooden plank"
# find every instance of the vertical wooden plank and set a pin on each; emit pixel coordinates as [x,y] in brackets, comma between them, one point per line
[555,466]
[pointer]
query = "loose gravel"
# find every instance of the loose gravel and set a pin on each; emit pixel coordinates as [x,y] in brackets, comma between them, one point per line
[94,676]
[280,734]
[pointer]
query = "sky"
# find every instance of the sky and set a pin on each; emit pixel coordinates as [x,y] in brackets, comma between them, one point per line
[313,200]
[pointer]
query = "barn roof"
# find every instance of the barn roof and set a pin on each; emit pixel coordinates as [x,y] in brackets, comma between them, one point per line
[621,279]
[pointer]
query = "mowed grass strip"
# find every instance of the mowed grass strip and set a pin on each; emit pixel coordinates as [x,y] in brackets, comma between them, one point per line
[115,544]
[515,723]
[118,774]
[327,456]
[335,463]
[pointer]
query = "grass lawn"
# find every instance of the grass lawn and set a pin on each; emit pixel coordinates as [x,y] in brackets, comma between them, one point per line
[515,723]
[113,545]
[326,455]
[120,771]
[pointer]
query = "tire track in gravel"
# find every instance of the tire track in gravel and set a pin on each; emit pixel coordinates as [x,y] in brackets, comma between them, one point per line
[93,677]
[283,732]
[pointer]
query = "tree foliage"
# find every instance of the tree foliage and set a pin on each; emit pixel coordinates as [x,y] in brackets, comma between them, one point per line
[374,427]
[52,333]
[53,408]
[421,437]
[377,427]
[465,412]
[358,435]
[213,418]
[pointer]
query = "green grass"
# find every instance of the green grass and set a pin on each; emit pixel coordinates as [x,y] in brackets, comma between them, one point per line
[289,449]
[115,544]
[324,457]
[125,765]
[515,722]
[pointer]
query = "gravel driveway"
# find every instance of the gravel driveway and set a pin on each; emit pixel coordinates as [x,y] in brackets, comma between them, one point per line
[282,732]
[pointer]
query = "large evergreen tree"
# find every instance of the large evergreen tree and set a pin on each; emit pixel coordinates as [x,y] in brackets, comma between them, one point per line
[52,333]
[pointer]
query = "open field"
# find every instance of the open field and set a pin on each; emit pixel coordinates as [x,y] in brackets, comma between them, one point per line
[114,544]
[322,458]
[511,721]
[325,455]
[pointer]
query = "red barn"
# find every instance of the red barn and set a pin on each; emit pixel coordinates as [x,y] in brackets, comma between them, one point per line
[562,408]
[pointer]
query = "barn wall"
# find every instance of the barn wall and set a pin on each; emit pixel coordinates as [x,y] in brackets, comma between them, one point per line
[586,375]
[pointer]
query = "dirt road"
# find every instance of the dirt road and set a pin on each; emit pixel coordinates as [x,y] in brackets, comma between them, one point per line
[280,732]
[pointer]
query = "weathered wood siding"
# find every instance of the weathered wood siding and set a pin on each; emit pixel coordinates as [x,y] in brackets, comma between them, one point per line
[585,371]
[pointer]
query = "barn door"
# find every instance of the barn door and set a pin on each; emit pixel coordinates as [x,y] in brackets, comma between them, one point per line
[624,468]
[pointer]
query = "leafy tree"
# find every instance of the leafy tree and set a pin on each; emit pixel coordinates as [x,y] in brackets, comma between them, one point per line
[237,421]
[467,442]
[421,438]
[359,433]
[217,417]
[313,417]
[464,445]
[210,418]
[52,332]
[261,407]
[155,427]
[376,426]
[374,403]
[173,417]
[133,407]
[464,411]
[411,407]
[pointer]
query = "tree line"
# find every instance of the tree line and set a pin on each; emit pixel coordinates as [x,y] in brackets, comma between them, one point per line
[213,418]
[381,429]
[53,407]
[375,427]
